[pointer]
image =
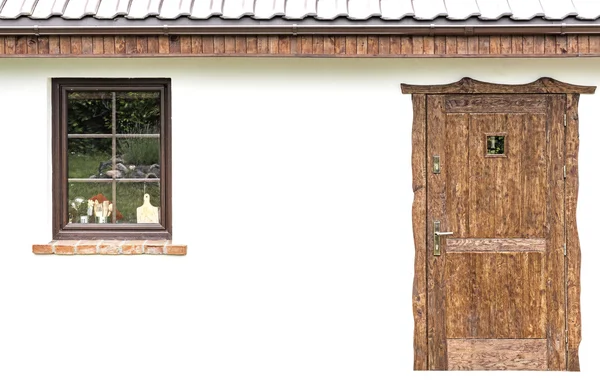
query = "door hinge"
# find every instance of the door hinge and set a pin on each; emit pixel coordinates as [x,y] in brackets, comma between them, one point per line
[565,120]
[565,172]
[564,249]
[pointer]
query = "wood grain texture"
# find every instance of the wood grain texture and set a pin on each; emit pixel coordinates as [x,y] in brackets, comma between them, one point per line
[436,209]
[572,237]
[471,86]
[319,45]
[501,245]
[419,218]
[555,260]
[495,104]
[497,354]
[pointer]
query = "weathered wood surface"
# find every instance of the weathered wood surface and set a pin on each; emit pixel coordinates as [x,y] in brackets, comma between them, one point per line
[497,354]
[436,206]
[502,245]
[573,248]
[302,46]
[419,217]
[495,104]
[471,86]
[502,275]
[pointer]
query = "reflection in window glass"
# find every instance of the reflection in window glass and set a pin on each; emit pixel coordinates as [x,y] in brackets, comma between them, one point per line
[495,144]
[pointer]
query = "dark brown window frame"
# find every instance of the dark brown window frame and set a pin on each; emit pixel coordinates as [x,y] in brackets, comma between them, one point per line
[61,228]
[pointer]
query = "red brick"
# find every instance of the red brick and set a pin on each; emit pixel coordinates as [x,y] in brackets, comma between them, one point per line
[110,247]
[133,247]
[87,247]
[154,249]
[176,249]
[42,249]
[65,247]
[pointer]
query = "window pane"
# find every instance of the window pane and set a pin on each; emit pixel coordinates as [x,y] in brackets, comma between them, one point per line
[78,196]
[141,156]
[90,158]
[138,112]
[89,112]
[130,196]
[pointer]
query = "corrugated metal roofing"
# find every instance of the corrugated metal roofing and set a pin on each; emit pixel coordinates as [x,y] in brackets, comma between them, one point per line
[419,10]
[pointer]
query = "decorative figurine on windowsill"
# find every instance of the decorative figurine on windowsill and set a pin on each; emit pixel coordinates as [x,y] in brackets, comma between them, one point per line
[147,213]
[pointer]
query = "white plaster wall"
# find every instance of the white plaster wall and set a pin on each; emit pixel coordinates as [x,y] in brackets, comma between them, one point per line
[292,189]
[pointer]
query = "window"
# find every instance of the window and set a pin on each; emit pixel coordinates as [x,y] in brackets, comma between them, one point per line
[111,159]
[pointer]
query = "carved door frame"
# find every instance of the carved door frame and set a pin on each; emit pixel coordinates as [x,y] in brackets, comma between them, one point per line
[419,213]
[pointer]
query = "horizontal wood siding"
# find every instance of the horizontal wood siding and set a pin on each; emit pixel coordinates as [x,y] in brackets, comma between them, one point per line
[302,46]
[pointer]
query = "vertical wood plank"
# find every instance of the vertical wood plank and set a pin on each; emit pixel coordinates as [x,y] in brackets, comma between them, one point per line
[54,45]
[285,45]
[120,45]
[506,45]
[484,45]
[538,44]
[461,45]
[65,45]
[2,52]
[572,236]
[561,45]
[451,45]
[252,45]
[351,45]
[219,44]
[329,45]
[584,44]
[428,45]
[229,44]
[436,203]
[153,45]
[174,45]
[418,45]
[395,45]
[419,217]
[87,46]
[528,45]
[274,44]
[21,45]
[406,45]
[474,43]
[550,44]
[572,44]
[130,45]
[495,48]
[384,45]
[306,45]
[361,45]
[240,45]
[439,45]
[10,42]
[32,45]
[208,45]
[186,44]
[555,259]
[372,45]
[517,45]
[43,45]
[141,45]
[163,45]
[76,45]
[318,41]
[262,43]
[339,43]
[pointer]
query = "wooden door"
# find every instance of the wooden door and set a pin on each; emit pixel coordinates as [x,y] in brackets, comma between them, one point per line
[496,292]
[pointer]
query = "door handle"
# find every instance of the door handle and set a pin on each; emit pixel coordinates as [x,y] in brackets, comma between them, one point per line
[437,248]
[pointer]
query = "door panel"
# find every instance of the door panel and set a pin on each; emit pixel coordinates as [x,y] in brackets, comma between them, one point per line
[497,272]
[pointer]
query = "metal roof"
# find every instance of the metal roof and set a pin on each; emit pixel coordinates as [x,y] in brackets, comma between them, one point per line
[418,10]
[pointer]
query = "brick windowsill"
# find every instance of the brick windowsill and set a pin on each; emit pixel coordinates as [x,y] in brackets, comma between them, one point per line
[109,247]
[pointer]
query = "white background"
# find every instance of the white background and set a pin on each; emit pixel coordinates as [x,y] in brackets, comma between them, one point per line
[292,190]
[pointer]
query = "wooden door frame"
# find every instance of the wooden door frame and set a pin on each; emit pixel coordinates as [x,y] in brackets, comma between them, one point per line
[419,211]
